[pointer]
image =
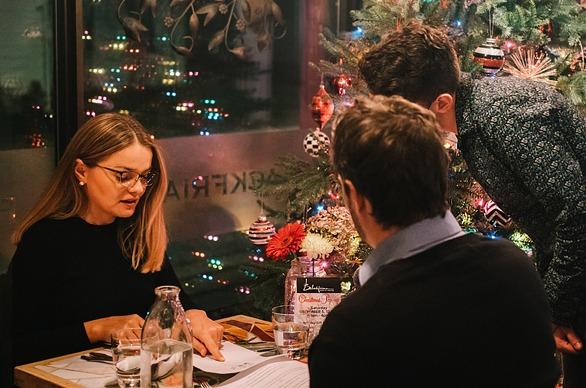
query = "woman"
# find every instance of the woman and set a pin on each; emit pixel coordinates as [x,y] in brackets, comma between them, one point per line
[92,249]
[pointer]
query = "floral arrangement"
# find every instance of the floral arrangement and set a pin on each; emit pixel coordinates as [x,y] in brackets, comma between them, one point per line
[330,235]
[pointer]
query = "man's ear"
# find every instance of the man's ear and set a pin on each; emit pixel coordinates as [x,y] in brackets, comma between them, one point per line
[80,170]
[358,201]
[442,104]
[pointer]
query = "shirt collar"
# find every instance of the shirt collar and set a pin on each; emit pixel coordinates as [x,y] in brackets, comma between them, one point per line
[410,241]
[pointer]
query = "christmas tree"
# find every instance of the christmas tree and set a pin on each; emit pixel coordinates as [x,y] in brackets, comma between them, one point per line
[537,40]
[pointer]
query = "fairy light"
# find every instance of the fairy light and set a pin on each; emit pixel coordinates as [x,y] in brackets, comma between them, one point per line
[243,290]
[215,264]
[256,258]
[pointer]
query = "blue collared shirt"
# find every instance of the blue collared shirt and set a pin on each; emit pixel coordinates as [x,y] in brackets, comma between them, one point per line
[410,241]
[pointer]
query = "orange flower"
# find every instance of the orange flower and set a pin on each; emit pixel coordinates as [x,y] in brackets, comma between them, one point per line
[286,241]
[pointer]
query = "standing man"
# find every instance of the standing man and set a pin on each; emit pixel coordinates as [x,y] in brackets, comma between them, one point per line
[436,307]
[524,143]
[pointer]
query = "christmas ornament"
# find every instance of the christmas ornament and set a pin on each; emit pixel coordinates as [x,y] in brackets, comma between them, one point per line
[490,56]
[37,140]
[316,142]
[526,63]
[495,215]
[578,62]
[547,29]
[260,231]
[322,107]
[342,82]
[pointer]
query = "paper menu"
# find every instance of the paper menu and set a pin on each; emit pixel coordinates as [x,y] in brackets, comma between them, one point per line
[86,374]
[279,372]
[237,359]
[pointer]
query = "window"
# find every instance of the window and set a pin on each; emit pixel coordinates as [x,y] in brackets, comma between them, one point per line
[27,137]
[223,117]
[236,73]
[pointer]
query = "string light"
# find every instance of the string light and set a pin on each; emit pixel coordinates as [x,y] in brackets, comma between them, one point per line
[243,290]
[215,264]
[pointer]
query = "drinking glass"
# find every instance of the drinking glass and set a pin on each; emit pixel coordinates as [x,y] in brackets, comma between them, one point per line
[291,335]
[126,356]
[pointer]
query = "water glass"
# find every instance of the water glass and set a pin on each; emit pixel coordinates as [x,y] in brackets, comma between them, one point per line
[291,334]
[126,356]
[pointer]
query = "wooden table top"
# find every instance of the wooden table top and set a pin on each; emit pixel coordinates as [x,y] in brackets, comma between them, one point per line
[29,376]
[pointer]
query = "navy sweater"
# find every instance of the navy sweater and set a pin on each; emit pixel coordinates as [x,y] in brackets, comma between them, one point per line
[470,312]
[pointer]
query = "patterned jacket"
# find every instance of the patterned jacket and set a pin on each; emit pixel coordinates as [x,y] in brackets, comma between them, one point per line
[526,145]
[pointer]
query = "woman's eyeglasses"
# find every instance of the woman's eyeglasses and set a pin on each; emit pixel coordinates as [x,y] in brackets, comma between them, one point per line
[129,178]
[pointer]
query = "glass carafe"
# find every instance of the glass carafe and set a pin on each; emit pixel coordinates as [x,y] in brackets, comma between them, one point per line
[300,267]
[166,352]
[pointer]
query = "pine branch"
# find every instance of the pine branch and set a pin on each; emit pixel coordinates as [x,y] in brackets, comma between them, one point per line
[300,183]
[574,87]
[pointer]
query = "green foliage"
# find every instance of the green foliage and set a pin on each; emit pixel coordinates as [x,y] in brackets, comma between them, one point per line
[555,26]
[300,183]
[527,22]
[574,87]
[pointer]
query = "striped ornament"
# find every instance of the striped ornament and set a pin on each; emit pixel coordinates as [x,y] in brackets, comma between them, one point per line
[495,215]
[490,56]
[260,231]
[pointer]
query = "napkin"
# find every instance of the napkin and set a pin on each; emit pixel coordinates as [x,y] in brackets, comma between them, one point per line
[128,363]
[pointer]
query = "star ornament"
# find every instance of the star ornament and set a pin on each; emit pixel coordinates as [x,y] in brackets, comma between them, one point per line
[526,63]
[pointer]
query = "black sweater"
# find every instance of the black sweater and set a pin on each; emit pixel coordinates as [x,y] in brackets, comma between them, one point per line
[470,312]
[68,272]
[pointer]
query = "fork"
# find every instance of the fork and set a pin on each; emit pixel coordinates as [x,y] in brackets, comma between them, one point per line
[202,382]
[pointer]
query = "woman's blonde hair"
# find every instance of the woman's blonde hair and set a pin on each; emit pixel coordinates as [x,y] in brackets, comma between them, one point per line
[143,236]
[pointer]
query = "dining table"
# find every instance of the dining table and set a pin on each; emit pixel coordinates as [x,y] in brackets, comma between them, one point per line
[51,372]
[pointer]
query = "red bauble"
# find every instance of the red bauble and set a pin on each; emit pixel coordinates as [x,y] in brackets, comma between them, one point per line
[341,83]
[322,107]
[490,56]
[547,29]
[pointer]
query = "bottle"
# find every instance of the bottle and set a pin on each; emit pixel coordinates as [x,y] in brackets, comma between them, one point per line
[166,352]
[300,267]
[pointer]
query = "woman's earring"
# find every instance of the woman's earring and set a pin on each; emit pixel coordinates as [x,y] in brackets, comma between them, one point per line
[81,183]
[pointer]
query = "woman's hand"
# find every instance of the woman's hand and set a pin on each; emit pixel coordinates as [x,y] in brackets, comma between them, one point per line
[207,334]
[103,328]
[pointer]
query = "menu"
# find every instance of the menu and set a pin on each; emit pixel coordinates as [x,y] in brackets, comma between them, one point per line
[276,373]
[315,298]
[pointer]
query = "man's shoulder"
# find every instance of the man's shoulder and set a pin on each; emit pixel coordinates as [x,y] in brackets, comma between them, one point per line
[474,246]
[471,250]
[485,253]
[514,90]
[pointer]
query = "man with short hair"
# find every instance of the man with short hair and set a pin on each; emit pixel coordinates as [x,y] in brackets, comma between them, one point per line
[524,143]
[436,307]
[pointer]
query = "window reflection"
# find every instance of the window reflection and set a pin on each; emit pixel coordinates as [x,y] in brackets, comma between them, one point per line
[26,111]
[224,83]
